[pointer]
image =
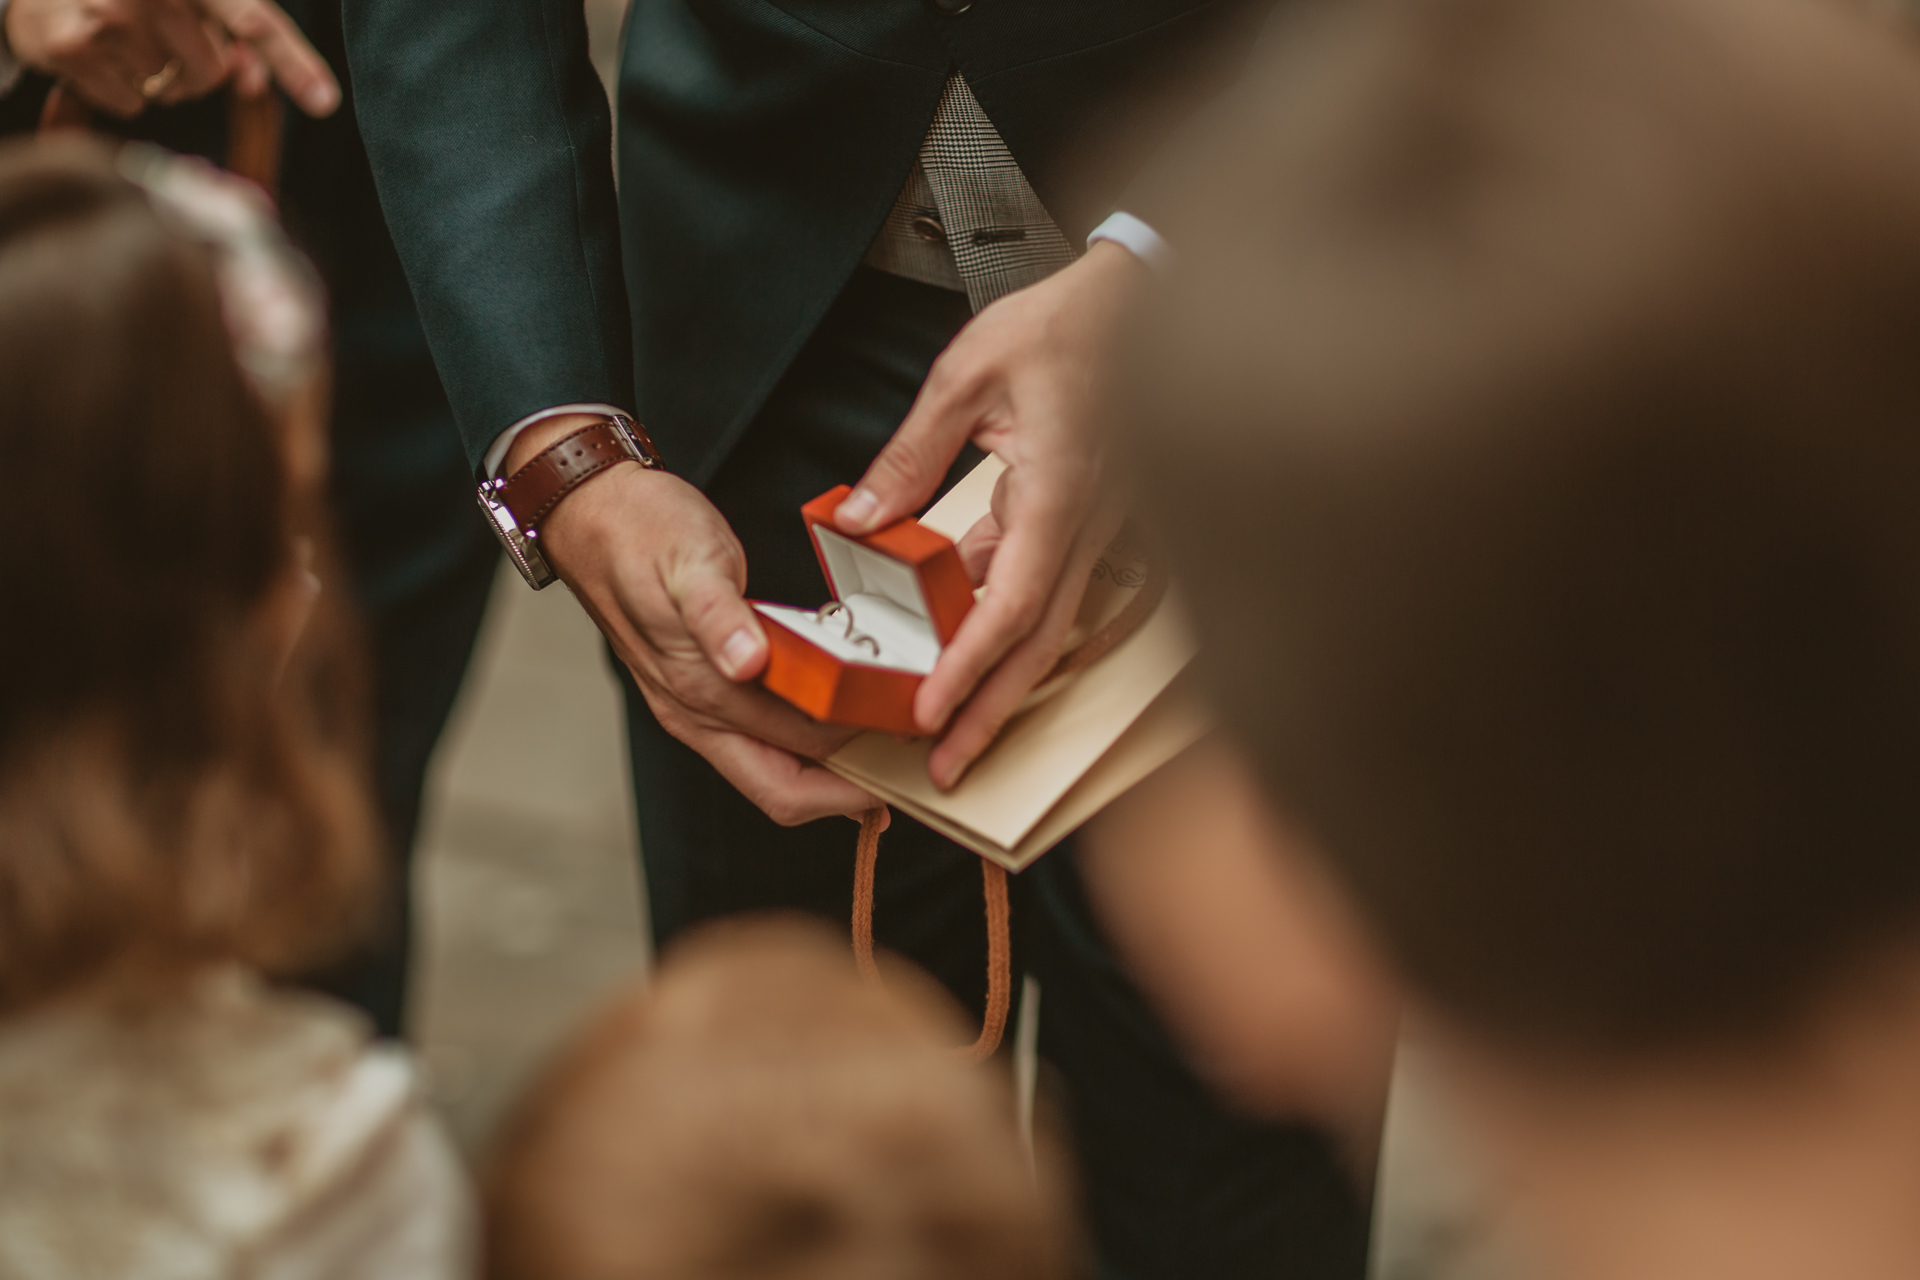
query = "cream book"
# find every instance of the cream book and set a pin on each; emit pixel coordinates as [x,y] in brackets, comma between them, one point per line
[1075,748]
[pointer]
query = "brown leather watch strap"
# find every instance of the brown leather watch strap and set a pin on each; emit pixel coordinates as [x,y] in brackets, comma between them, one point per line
[532,492]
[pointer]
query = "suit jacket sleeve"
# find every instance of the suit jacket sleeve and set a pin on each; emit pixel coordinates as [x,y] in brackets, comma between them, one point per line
[491,146]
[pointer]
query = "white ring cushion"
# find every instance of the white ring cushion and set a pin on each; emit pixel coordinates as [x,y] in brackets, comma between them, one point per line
[884,598]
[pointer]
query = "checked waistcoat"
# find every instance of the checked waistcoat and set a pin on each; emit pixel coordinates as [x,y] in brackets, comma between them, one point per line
[967,218]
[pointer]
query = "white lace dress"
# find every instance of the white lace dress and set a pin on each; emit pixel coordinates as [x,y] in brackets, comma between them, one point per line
[235,1132]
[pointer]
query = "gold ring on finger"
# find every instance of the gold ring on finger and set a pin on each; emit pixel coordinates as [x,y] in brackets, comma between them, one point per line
[158,83]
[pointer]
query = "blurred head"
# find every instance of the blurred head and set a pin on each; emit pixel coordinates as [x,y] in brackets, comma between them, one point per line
[180,783]
[761,1112]
[1537,426]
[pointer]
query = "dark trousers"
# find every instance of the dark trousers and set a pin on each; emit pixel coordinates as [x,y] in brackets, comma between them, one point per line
[422,562]
[1174,1184]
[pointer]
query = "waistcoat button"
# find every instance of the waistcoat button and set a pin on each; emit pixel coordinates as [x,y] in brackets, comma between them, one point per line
[929,229]
[953,8]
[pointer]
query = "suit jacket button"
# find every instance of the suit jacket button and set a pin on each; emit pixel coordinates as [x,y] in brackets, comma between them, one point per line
[953,8]
[929,229]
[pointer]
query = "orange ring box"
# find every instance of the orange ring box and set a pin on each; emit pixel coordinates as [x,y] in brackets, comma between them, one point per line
[903,594]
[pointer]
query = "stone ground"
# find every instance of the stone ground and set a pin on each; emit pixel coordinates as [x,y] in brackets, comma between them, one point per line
[531,906]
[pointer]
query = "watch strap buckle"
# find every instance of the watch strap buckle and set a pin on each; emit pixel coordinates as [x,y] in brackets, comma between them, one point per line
[519,504]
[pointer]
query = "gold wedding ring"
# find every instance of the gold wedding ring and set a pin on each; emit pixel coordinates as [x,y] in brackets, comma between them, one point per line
[157,83]
[835,609]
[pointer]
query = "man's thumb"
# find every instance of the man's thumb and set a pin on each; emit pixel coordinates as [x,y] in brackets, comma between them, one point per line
[724,626]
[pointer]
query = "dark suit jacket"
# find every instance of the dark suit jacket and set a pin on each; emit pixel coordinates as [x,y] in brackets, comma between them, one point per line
[761,145]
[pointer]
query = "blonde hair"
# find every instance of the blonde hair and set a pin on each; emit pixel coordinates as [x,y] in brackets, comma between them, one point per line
[762,1112]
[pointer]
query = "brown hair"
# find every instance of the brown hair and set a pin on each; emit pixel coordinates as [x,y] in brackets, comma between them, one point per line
[762,1113]
[168,794]
[1539,426]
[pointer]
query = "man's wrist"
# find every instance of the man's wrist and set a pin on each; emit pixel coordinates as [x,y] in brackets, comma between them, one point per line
[1118,262]
[494,462]
[550,459]
[537,437]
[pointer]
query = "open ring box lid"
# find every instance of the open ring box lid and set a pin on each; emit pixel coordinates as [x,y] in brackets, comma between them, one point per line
[903,593]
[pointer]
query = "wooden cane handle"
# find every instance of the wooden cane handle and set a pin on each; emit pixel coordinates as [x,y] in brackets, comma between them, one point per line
[255,130]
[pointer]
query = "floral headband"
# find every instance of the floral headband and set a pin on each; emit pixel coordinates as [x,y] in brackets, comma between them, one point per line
[269,295]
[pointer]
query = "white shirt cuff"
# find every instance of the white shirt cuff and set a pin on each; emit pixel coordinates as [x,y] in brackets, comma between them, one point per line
[497,451]
[1136,236]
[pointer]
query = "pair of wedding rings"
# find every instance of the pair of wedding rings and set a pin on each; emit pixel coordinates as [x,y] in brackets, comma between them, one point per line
[835,609]
[160,81]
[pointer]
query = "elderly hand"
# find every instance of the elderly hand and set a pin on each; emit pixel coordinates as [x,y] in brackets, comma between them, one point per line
[119,55]
[1022,380]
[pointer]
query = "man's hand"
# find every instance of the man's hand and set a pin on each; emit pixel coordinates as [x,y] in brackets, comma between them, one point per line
[661,573]
[120,55]
[1023,381]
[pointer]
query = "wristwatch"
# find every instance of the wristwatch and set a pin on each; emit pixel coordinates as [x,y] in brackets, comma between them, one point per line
[516,505]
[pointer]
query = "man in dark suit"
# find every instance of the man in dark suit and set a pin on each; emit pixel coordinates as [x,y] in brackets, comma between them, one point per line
[815,198]
[421,558]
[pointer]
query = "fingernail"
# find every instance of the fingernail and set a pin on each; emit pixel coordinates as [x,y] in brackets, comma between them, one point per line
[737,652]
[858,508]
[322,99]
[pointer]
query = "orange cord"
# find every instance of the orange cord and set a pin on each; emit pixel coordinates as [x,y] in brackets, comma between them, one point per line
[999,965]
[999,934]
[255,130]
[872,822]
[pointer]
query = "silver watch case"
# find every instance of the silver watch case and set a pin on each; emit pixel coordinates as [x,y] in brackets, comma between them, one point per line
[523,545]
